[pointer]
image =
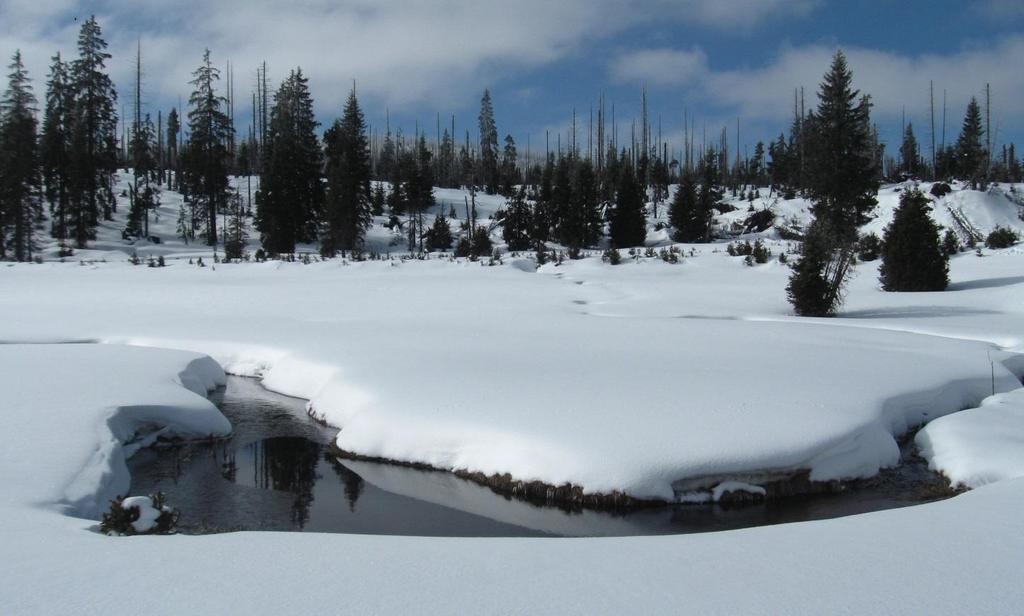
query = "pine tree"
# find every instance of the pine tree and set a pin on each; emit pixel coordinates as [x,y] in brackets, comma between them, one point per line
[912,254]
[518,226]
[206,161]
[688,222]
[509,168]
[347,214]
[628,225]
[20,181]
[709,197]
[908,151]
[581,221]
[489,171]
[94,135]
[439,236]
[55,149]
[841,181]
[144,195]
[291,195]
[173,126]
[970,154]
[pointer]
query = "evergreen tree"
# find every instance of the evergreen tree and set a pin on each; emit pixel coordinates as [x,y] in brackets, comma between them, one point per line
[912,254]
[144,195]
[94,135]
[509,168]
[688,222]
[20,181]
[291,195]
[173,126]
[908,151]
[581,222]
[439,236]
[970,153]
[206,163]
[236,234]
[489,171]
[628,225]
[347,215]
[841,181]
[417,186]
[709,197]
[518,224]
[55,148]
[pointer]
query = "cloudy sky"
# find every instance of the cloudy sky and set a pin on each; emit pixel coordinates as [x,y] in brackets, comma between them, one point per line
[718,59]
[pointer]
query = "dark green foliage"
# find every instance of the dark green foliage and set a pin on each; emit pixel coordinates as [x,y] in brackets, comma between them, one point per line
[970,153]
[841,180]
[628,220]
[235,235]
[439,236]
[206,157]
[912,257]
[93,145]
[490,173]
[689,224]
[55,147]
[20,180]
[1001,237]
[941,189]
[950,243]
[759,254]
[378,199]
[611,256]
[869,247]
[347,213]
[474,245]
[580,220]
[908,152]
[292,195]
[517,228]
[509,171]
[808,288]
[759,221]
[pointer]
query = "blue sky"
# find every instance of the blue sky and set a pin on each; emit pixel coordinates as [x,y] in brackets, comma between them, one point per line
[719,59]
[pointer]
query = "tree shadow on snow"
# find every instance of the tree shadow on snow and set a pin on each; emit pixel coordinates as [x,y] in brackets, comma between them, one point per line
[986,283]
[916,312]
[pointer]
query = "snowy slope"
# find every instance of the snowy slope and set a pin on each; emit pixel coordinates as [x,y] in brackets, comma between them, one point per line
[965,211]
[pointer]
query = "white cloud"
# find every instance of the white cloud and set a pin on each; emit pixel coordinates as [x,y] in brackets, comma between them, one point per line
[669,67]
[896,82]
[401,52]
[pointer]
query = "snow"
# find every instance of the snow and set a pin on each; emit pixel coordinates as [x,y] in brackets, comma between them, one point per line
[148,513]
[654,379]
[72,411]
[978,446]
[727,487]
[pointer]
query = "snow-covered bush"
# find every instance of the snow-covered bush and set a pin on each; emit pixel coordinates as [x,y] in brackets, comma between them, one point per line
[139,515]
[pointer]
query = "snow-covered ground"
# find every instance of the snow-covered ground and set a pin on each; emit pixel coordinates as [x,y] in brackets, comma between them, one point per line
[649,378]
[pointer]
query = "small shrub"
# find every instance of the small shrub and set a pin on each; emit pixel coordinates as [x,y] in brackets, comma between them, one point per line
[120,520]
[1001,237]
[950,243]
[611,256]
[940,189]
[869,247]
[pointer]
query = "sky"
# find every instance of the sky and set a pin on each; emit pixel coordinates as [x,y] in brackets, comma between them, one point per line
[718,61]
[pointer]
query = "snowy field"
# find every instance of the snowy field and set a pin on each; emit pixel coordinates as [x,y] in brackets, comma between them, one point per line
[654,379]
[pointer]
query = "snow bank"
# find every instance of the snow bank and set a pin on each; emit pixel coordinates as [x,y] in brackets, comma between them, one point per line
[75,411]
[978,446]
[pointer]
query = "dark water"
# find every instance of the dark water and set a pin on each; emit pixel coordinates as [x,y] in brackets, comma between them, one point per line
[275,474]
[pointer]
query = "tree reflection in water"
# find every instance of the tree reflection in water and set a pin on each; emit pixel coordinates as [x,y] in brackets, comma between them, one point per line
[353,483]
[288,464]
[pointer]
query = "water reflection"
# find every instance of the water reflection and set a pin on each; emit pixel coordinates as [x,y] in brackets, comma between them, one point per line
[276,474]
